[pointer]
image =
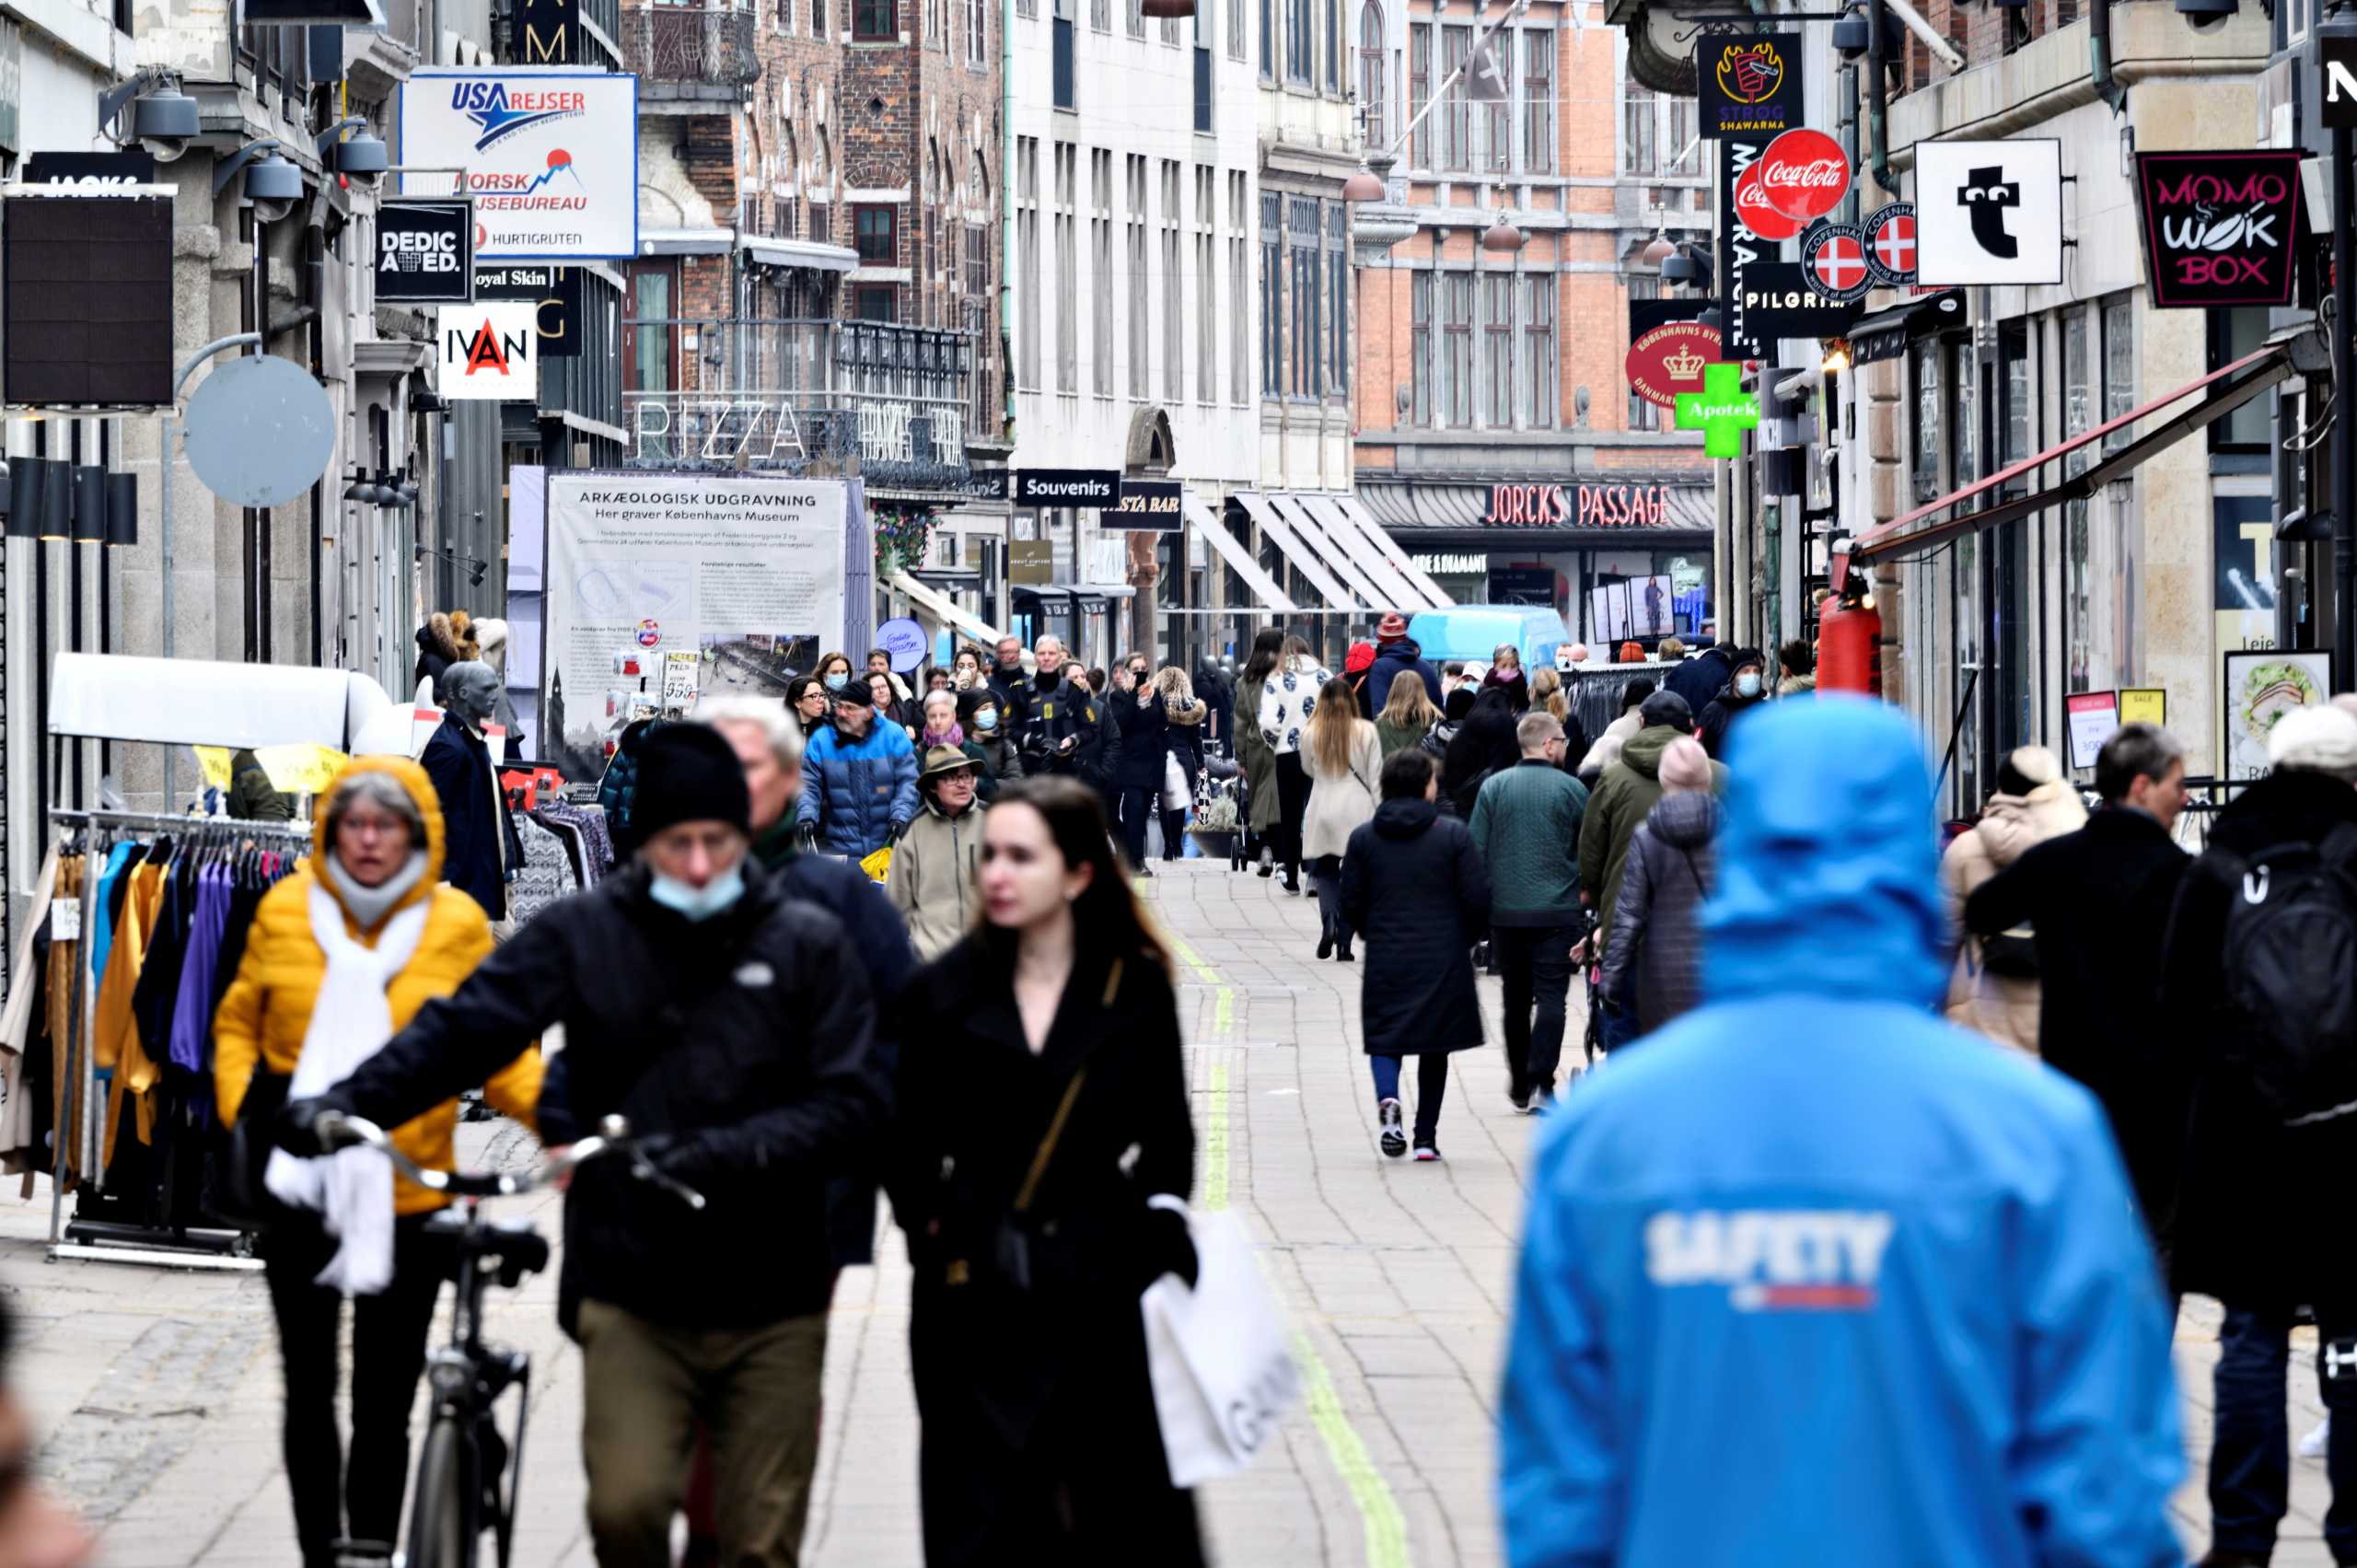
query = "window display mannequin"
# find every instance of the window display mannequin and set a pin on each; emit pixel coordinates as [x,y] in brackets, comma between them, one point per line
[481,850]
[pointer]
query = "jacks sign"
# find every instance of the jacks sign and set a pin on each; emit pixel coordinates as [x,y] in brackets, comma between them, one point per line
[2219,228]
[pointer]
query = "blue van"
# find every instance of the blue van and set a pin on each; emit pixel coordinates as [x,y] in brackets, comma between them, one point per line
[1473,632]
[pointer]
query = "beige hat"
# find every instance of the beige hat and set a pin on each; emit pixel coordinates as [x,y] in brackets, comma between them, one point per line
[1685,766]
[944,760]
[2321,739]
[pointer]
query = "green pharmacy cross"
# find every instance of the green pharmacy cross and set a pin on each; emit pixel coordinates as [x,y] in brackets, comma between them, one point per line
[1722,411]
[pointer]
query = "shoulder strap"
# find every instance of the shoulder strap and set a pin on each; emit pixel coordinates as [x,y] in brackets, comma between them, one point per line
[1046,1150]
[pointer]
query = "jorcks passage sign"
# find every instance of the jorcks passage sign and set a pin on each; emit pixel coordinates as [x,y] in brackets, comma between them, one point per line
[551,157]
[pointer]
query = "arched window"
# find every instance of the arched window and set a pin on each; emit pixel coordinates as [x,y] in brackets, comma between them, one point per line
[1371,73]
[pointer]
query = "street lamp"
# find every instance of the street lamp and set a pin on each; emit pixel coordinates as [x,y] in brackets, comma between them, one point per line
[361,157]
[272,185]
[1501,238]
[1363,186]
[163,118]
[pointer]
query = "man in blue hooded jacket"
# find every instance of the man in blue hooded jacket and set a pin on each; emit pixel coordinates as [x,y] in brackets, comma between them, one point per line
[1811,1277]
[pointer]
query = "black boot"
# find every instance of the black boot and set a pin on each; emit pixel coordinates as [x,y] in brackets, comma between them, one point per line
[1343,949]
[1325,939]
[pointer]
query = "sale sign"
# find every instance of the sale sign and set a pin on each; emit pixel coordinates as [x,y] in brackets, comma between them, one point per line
[1804,174]
[1752,205]
[2219,227]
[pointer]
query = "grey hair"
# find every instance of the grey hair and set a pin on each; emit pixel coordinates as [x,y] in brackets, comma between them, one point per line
[1537,728]
[2134,752]
[764,714]
[380,789]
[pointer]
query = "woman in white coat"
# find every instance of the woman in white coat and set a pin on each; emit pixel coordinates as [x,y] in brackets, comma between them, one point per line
[1288,701]
[1342,757]
[1994,988]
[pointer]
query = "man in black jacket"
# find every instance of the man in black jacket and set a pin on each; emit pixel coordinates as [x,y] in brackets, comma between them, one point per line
[2098,901]
[480,848]
[731,1026]
[1701,678]
[1074,739]
[1013,688]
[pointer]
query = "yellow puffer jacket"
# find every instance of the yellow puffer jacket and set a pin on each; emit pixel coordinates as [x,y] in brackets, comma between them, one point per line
[267,1009]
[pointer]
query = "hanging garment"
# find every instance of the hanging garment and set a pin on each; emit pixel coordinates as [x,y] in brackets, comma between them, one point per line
[548,871]
[66,1110]
[115,1042]
[18,1151]
[191,1029]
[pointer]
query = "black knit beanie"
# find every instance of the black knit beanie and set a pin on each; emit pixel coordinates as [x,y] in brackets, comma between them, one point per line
[687,773]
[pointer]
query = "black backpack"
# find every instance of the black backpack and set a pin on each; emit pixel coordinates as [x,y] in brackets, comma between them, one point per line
[2289,955]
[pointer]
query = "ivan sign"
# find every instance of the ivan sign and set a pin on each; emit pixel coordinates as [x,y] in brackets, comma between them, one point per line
[2218,226]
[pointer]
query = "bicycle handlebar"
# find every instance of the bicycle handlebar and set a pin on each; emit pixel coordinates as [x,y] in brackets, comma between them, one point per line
[338,1130]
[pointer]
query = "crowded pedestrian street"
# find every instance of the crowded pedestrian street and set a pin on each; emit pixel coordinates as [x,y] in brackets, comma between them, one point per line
[155,1393]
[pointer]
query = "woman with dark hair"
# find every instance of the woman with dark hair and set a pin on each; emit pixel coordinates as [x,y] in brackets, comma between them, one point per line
[1260,759]
[1288,698]
[1505,671]
[834,670]
[1044,1158]
[1484,743]
[806,707]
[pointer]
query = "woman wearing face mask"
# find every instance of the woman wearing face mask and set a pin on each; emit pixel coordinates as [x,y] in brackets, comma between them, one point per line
[340,956]
[987,738]
[834,671]
[1044,1158]
[1505,670]
[1746,690]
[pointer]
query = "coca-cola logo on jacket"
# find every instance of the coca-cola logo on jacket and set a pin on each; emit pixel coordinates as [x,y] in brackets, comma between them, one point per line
[2219,227]
[1751,206]
[1804,174]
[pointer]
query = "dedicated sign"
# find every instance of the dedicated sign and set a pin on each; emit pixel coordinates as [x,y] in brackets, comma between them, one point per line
[488,351]
[1784,299]
[1750,83]
[1147,506]
[1804,174]
[2218,226]
[426,250]
[1988,212]
[551,156]
[1669,359]
[1068,487]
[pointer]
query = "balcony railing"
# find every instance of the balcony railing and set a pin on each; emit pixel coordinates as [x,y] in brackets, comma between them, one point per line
[714,44]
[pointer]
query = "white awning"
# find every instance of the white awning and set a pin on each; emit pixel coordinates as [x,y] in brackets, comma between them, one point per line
[1398,593]
[1353,509]
[1297,550]
[686,241]
[1313,532]
[1207,523]
[942,607]
[808,254]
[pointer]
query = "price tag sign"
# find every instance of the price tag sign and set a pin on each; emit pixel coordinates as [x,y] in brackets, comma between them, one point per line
[682,671]
[65,920]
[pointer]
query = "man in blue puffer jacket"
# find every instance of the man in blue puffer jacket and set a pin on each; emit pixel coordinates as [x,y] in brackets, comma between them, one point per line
[1811,1277]
[859,779]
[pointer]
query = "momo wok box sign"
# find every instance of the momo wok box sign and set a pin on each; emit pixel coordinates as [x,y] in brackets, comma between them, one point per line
[2219,227]
[551,157]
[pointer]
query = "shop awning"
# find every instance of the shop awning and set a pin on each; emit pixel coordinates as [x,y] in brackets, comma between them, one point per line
[1886,333]
[1312,530]
[942,607]
[1207,523]
[1296,549]
[2229,388]
[1388,548]
[686,241]
[807,255]
[1398,592]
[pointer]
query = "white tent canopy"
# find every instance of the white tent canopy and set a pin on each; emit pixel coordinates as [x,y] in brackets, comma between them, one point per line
[207,702]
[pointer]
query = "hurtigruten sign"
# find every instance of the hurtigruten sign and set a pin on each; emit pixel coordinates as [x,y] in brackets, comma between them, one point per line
[1579,505]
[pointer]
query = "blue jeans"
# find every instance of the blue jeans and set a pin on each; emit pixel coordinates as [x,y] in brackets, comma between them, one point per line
[1621,1027]
[2251,1462]
[1432,1083]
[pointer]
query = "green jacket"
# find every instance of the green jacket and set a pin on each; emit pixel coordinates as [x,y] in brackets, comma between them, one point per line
[252,797]
[1526,825]
[1400,737]
[1625,797]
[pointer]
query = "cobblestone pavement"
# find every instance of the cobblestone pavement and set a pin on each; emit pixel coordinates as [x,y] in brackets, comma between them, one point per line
[157,1391]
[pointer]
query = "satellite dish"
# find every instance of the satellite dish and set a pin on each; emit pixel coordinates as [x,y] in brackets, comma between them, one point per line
[260,431]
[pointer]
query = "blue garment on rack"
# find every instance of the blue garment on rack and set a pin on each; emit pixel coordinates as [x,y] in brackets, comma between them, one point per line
[192,1031]
[101,912]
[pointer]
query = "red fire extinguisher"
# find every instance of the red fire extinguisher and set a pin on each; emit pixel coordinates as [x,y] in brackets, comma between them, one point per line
[1849,632]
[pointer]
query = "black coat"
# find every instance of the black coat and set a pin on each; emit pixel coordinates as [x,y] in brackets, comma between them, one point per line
[1414,887]
[458,763]
[750,1034]
[1069,710]
[1014,691]
[2257,1212]
[1023,1395]
[1720,713]
[1217,692]
[1185,741]
[1701,678]
[1146,733]
[2099,901]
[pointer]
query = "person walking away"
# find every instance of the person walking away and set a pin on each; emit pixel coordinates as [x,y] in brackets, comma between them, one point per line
[1455,711]
[1993,987]
[2269,1031]
[340,955]
[1045,1154]
[1344,763]
[859,780]
[1414,887]
[1507,673]
[1549,694]
[1452,680]
[1287,699]
[481,849]
[1879,1219]
[1616,734]
[2098,901]
[1136,709]
[1182,746]
[1483,746]
[252,797]
[1397,654]
[1654,956]
[1217,692]
[931,882]
[731,1026]
[437,650]
[1699,680]
[1406,716]
[1746,690]
[1253,749]
[1797,665]
[1526,823]
[1625,797]
[988,739]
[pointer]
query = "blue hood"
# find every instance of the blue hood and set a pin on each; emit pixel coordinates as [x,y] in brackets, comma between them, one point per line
[1827,848]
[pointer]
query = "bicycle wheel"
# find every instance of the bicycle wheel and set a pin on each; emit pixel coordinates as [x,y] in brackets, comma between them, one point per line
[437,1521]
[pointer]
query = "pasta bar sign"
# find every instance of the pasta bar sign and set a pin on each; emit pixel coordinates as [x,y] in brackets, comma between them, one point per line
[1147,506]
[2219,227]
[1579,505]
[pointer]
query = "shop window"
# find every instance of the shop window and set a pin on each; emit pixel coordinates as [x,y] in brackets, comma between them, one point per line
[2118,368]
[2078,580]
[878,233]
[876,302]
[1964,378]
[1924,360]
[874,19]
[2235,334]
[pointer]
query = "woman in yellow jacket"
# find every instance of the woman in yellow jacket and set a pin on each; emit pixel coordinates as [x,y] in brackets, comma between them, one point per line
[340,956]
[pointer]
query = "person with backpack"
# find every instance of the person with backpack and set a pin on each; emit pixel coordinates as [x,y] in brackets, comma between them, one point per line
[1993,987]
[2259,989]
[2097,902]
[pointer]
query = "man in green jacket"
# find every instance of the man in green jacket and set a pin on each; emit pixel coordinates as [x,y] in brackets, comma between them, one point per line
[1526,825]
[1624,796]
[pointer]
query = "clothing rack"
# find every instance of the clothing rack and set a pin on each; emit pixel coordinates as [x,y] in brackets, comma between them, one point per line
[115,1242]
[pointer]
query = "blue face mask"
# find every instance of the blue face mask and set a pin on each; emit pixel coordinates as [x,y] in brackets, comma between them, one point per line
[835,682]
[1747,686]
[698,904]
[986,719]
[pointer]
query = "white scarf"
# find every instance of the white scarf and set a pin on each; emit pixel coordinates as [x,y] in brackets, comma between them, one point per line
[350,1020]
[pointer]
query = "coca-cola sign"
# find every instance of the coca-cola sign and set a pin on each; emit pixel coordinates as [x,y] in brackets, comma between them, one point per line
[2219,227]
[1804,174]
[1752,205]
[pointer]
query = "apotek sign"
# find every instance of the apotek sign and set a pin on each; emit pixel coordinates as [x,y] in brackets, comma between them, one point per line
[425,250]
[2218,226]
[551,156]
[1579,505]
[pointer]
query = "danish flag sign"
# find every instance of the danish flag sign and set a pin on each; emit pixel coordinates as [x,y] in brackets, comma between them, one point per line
[1804,174]
[1834,257]
[1890,244]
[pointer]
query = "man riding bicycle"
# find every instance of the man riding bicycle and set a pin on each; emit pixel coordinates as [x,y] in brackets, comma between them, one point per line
[733,1031]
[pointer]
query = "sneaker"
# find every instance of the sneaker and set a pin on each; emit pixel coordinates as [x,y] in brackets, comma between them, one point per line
[1293,886]
[1542,1102]
[1268,862]
[2316,1443]
[1427,1151]
[1145,870]
[1395,1136]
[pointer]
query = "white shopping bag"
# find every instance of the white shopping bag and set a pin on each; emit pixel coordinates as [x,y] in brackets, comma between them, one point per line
[1222,1373]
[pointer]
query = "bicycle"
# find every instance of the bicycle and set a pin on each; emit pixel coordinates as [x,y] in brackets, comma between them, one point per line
[459,1493]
